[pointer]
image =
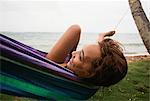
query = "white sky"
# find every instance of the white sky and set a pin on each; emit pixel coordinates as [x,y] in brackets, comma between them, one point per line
[58,15]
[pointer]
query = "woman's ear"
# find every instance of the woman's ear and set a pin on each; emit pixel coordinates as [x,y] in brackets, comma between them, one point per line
[84,74]
[89,74]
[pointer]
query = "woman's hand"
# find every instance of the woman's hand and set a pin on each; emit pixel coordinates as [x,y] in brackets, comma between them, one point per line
[110,33]
[105,34]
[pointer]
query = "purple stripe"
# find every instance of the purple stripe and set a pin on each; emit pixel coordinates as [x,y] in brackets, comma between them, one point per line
[39,64]
[26,46]
[28,52]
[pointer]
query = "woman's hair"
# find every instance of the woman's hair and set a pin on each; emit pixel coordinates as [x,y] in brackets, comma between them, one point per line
[111,66]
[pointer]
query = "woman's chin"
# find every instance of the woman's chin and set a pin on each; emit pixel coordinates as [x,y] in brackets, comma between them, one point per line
[69,66]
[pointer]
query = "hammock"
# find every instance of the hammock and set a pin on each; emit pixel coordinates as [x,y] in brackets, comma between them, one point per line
[25,72]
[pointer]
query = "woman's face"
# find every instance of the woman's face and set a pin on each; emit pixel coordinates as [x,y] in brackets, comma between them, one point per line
[80,62]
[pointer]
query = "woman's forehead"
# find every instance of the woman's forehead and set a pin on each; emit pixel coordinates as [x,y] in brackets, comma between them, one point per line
[91,51]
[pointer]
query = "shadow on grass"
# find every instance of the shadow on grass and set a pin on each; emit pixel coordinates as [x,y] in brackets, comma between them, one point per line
[134,87]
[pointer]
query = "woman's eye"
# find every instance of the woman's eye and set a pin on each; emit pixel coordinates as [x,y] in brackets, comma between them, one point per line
[80,56]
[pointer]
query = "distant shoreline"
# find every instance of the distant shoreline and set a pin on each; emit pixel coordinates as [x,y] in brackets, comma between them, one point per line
[132,44]
[136,54]
[135,58]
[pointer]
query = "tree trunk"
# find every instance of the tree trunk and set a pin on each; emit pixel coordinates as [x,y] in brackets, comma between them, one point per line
[141,22]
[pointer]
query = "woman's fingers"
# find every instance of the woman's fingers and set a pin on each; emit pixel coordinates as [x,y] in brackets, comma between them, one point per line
[110,33]
[105,34]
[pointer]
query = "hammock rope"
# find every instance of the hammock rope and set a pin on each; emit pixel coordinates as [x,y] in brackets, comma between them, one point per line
[121,19]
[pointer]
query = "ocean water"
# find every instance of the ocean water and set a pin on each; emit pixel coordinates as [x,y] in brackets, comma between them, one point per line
[44,41]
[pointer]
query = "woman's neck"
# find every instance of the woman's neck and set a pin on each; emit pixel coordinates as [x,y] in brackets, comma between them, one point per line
[63,65]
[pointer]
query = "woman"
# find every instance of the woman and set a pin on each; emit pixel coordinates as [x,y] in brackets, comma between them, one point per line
[102,63]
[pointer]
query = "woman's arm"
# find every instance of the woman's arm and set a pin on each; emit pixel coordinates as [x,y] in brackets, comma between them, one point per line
[67,43]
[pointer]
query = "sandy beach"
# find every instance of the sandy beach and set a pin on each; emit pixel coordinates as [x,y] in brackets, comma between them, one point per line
[137,58]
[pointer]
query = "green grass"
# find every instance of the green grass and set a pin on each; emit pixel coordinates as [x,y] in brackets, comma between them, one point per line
[134,87]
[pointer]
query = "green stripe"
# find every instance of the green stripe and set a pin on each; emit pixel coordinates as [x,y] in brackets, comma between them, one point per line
[32,88]
[15,62]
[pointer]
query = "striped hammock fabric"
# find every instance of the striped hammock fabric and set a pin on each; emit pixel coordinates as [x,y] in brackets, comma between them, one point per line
[25,72]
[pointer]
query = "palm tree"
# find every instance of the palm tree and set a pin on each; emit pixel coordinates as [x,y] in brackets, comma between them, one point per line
[141,22]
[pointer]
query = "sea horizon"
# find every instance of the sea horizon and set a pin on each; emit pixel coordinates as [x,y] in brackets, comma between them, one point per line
[44,41]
